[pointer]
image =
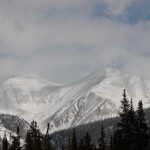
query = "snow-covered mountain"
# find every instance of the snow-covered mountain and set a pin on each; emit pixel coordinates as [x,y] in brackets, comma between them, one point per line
[8,126]
[20,95]
[93,98]
[89,99]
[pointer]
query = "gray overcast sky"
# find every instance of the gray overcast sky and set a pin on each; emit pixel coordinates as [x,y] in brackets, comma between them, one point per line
[64,40]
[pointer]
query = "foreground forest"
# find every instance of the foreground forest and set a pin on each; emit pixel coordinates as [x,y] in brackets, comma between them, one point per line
[129,131]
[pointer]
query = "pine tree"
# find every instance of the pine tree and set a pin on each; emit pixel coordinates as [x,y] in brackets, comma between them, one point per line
[101,141]
[33,138]
[125,106]
[4,143]
[117,140]
[82,144]
[148,145]
[142,128]
[132,127]
[88,142]
[123,132]
[111,144]
[46,140]
[74,143]
[16,141]
[69,142]
[28,141]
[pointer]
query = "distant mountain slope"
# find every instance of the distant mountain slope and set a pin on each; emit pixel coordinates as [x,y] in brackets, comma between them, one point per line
[93,129]
[9,123]
[93,98]
[20,95]
[89,99]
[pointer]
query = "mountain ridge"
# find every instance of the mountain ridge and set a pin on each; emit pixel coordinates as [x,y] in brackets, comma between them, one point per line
[92,98]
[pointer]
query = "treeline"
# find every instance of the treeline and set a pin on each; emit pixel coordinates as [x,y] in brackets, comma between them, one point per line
[131,133]
[110,125]
[34,140]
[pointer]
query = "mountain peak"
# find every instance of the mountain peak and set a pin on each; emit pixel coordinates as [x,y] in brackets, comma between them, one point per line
[111,70]
[95,97]
[100,75]
[30,80]
[106,72]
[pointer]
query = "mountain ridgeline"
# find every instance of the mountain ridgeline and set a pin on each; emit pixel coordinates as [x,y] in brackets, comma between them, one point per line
[92,98]
[93,129]
[8,124]
[129,131]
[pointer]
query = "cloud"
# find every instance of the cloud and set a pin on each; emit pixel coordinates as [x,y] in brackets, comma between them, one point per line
[117,7]
[64,40]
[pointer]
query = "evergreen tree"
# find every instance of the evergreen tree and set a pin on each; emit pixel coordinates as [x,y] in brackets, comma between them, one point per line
[82,144]
[111,144]
[101,140]
[16,141]
[142,128]
[69,142]
[117,140]
[46,140]
[123,132]
[124,136]
[33,138]
[88,142]
[132,127]
[125,106]
[4,143]
[148,145]
[74,143]
[28,141]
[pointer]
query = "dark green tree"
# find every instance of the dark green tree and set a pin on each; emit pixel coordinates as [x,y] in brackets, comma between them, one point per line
[117,140]
[131,133]
[122,135]
[28,141]
[33,138]
[4,143]
[88,142]
[110,147]
[132,121]
[101,141]
[148,145]
[142,128]
[46,141]
[125,106]
[74,142]
[16,141]
[69,141]
[82,144]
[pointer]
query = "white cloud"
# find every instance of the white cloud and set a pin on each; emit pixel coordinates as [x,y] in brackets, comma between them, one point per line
[61,41]
[117,7]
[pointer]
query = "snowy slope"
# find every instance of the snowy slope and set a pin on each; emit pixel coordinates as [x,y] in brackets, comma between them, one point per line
[89,99]
[92,98]
[20,94]
[8,126]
